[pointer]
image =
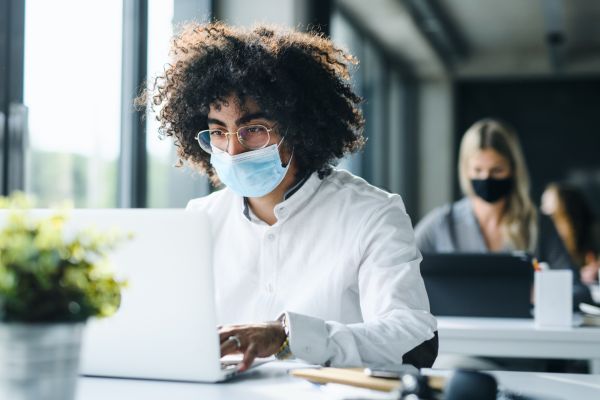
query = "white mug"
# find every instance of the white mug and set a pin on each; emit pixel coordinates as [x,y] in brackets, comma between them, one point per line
[553,296]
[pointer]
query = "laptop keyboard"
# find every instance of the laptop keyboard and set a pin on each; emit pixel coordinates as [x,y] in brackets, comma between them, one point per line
[229,366]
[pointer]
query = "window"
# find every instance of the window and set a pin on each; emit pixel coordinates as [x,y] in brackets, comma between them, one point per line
[72,88]
[389,90]
[75,139]
[168,186]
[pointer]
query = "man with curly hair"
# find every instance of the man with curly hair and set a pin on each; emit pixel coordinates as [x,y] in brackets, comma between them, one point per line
[267,112]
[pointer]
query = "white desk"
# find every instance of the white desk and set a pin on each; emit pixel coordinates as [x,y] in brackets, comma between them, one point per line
[266,382]
[271,381]
[555,386]
[503,337]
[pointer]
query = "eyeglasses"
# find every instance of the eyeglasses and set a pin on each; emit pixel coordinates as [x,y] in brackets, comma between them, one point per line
[252,137]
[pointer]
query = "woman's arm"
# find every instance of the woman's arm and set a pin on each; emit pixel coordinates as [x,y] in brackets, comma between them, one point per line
[552,250]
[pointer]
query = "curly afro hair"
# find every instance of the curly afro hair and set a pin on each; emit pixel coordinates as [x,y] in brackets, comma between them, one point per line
[299,80]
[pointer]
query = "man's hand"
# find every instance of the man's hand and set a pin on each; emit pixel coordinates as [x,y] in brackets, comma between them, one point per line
[255,340]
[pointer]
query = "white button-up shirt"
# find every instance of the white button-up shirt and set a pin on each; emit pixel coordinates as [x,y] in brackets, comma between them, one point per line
[341,261]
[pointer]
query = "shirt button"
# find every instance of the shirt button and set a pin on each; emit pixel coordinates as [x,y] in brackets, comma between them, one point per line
[270,288]
[283,212]
[271,236]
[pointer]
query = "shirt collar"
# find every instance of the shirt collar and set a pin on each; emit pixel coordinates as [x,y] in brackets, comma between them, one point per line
[302,191]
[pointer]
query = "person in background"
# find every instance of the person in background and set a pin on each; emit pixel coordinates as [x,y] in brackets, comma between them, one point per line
[496,213]
[574,221]
[310,261]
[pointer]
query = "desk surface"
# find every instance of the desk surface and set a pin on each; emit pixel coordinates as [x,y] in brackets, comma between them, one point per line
[498,337]
[268,381]
[511,327]
[271,381]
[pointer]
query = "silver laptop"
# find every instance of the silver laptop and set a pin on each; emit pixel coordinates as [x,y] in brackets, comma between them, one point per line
[166,325]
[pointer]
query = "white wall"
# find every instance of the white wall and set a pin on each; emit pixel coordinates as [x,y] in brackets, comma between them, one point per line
[437,165]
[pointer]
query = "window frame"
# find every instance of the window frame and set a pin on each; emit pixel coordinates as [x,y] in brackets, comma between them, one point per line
[13,114]
[133,159]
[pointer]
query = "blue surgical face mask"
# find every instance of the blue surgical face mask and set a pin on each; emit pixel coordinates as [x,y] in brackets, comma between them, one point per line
[251,174]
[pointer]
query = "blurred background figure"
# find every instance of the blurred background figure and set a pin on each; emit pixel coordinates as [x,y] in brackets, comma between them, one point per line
[496,213]
[575,222]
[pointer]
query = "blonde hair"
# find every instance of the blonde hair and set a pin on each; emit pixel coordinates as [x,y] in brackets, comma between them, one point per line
[519,221]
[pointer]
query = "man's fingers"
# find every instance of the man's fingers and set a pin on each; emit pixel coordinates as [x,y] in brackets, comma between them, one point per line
[224,335]
[249,356]
[229,347]
[226,332]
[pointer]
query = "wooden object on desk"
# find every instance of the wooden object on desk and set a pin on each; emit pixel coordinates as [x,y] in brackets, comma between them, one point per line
[356,377]
[347,376]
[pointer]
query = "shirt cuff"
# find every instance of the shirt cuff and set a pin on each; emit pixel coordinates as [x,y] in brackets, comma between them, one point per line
[308,338]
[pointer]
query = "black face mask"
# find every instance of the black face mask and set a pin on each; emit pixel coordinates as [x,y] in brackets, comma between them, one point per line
[492,190]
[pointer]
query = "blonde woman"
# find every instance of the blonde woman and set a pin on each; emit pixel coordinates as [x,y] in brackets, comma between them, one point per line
[496,214]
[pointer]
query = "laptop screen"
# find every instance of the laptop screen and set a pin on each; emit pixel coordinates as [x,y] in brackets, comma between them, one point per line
[479,285]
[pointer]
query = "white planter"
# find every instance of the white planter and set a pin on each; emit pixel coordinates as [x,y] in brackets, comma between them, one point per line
[39,361]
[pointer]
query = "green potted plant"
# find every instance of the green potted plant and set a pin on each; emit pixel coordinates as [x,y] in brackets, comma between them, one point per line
[51,282]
